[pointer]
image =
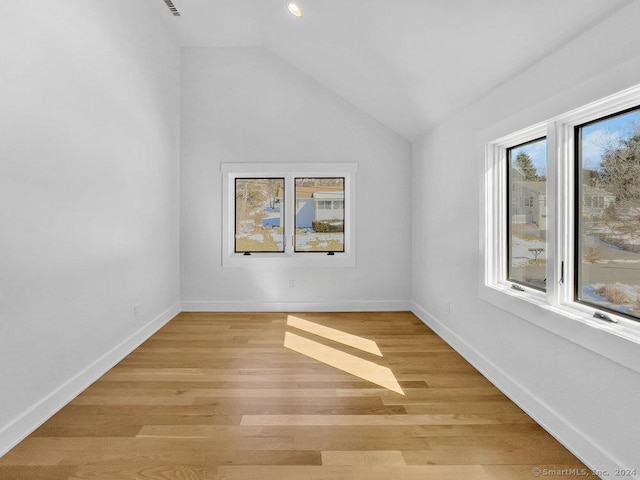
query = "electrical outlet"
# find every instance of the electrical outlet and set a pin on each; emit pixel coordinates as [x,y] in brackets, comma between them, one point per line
[137,310]
[292,284]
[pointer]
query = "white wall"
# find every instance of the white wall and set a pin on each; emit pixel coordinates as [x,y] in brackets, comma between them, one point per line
[589,402]
[247,105]
[89,168]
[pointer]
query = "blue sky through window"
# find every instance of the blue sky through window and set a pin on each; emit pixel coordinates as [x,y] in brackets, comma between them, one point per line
[599,136]
[538,153]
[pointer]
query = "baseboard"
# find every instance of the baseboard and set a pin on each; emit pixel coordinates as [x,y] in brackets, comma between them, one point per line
[583,447]
[339,306]
[22,426]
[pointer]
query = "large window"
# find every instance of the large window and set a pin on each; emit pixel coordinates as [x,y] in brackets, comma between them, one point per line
[288,214]
[608,213]
[562,217]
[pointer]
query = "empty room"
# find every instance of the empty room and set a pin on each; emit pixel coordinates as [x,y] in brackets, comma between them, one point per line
[364,239]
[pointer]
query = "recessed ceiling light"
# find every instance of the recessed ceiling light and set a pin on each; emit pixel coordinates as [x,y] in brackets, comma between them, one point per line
[294,9]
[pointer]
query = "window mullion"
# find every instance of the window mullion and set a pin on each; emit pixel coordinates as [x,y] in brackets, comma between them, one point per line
[566,204]
[554,205]
[497,215]
[290,209]
[348,207]
[502,212]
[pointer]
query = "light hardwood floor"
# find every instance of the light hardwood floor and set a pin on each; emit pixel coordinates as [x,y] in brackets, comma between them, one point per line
[220,396]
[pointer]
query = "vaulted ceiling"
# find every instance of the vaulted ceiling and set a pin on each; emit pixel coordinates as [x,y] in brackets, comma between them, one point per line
[410,63]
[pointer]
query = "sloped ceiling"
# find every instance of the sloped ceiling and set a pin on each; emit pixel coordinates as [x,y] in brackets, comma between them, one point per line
[409,64]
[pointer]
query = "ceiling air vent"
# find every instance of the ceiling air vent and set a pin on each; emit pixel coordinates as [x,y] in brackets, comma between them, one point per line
[172,7]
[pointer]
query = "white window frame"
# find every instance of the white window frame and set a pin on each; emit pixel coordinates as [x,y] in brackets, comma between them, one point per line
[288,171]
[554,310]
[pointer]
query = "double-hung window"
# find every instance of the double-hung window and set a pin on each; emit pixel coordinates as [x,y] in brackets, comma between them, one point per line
[562,219]
[288,214]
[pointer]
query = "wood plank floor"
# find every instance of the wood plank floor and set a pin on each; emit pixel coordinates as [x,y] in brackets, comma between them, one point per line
[220,396]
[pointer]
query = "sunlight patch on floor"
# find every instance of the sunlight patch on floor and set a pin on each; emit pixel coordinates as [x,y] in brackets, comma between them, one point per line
[339,336]
[346,362]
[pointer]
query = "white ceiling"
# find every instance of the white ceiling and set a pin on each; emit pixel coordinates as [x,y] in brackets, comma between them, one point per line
[410,63]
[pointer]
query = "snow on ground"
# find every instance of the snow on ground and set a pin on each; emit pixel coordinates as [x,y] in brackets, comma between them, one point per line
[258,237]
[598,230]
[607,253]
[247,226]
[610,254]
[631,291]
[617,260]
[303,241]
[277,237]
[520,253]
[589,293]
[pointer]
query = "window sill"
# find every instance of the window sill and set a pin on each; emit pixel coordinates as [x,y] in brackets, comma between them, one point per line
[618,342]
[300,260]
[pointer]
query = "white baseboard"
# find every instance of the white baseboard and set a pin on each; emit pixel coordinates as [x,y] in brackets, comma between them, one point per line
[339,306]
[21,427]
[586,449]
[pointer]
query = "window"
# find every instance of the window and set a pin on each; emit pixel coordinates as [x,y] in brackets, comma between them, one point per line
[319,229]
[288,214]
[562,225]
[259,221]
[527,225]
[608,213]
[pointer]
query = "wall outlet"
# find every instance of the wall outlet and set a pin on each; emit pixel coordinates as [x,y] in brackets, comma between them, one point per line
[137,310]
[292,284]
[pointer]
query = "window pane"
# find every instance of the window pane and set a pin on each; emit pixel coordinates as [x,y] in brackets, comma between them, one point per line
[259,215]
[527,220]
[608,244]
[319,215]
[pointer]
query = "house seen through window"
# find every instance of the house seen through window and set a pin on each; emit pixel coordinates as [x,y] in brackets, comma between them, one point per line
[527,219]
[319,215]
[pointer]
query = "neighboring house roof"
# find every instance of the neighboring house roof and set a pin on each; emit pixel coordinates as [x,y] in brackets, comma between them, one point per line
[308,192]
[329,195]
[516,175]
